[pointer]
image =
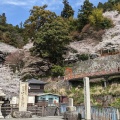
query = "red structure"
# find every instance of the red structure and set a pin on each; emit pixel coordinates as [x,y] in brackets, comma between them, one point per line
[69,73]
[97,74]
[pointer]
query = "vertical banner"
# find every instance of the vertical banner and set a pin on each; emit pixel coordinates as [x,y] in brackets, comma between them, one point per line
[23,96]
[87,98]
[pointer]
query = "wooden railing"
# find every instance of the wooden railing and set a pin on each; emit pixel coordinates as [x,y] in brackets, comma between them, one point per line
[36,109]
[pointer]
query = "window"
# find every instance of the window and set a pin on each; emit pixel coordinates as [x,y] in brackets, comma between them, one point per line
[50,100]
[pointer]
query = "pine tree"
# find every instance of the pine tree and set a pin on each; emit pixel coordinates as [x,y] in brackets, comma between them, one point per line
[84,13]
[67,10]
[100,5]
[3,19]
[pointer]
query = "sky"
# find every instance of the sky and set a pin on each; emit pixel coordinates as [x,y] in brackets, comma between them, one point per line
[18,10]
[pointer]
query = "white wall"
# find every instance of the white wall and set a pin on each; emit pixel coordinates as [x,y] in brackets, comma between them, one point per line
[15,99]
[31,99]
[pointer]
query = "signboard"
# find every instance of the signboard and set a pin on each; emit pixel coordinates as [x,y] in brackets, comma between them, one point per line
[23,96]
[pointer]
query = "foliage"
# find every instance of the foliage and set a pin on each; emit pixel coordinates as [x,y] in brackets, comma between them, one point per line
[51,41]
[57,71]
[10,34]
[84,13]
[117,7]
[116,103]
[67,10]
[100,5]
[3,19]
[108,6]
[106,23]
[77,94]
[83,57]
[98,20]
[72,23]
[38,17]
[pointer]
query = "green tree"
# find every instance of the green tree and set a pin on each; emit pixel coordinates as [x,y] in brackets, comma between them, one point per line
[38,17]
[3,19]
[96,17]
[98,20]
[51,41]
[108,6]
[100,5]
[57,71]
[117,7]
[67,11]
[84,13]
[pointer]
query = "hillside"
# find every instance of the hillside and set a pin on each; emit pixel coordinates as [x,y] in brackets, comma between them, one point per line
[110,41]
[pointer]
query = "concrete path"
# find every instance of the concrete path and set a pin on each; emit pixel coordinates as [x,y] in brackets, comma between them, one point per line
[40,118]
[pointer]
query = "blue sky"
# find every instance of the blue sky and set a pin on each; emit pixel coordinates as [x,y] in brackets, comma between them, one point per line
[18,10]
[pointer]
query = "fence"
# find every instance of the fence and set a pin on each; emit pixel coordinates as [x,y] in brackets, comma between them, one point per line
[109,113]
[37,109]
[8,109]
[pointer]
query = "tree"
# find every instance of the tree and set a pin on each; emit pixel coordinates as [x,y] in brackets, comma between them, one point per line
[3,19]
[84,13]
[100,5]
[51,41]
[98,20]
[38,17]
[15,60]
[117,7]
[67,10]
[96,17]
[108,6]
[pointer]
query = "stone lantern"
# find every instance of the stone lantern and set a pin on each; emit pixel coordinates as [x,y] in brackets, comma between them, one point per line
[2,95]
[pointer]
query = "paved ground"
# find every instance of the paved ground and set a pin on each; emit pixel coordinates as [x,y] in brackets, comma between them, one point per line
[41,118]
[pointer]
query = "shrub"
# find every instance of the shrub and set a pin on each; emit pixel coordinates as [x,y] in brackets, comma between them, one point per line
[83,57]
[98,20]
[116,103]
[106,23]
[117,7]
[57,71]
